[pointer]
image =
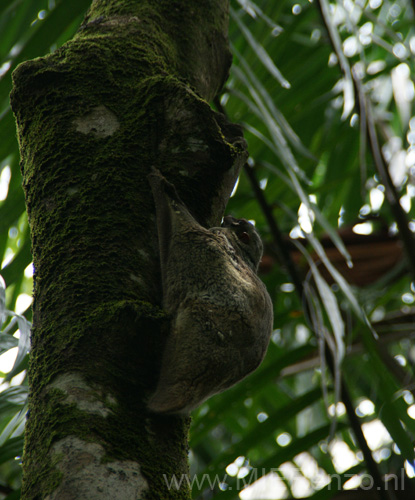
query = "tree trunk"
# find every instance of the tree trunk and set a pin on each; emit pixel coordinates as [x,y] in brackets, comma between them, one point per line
[129,92]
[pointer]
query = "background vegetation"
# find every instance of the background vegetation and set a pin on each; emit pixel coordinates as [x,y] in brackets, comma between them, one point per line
[325,93]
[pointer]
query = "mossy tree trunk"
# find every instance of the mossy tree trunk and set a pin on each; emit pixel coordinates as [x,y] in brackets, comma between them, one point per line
[130,91]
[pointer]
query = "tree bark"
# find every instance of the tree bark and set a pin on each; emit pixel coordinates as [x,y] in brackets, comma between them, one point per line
[129,92]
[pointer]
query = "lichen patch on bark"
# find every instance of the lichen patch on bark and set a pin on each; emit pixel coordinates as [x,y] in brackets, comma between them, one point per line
[100,122]
[86,475]
[87,398]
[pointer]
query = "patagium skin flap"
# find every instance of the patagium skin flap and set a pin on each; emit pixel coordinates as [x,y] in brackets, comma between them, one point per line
[221,311]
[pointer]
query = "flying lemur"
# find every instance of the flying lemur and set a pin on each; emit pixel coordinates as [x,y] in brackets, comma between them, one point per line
[221,312]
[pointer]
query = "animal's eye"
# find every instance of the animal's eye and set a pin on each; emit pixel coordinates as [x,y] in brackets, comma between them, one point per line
[244,237]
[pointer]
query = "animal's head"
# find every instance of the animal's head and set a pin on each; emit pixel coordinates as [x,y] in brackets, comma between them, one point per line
[247,239]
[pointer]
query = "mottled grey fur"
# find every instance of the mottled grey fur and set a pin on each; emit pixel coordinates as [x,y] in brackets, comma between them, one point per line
[221,311]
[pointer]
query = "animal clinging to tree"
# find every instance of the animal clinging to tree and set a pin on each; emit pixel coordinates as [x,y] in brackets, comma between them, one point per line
[221,312]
